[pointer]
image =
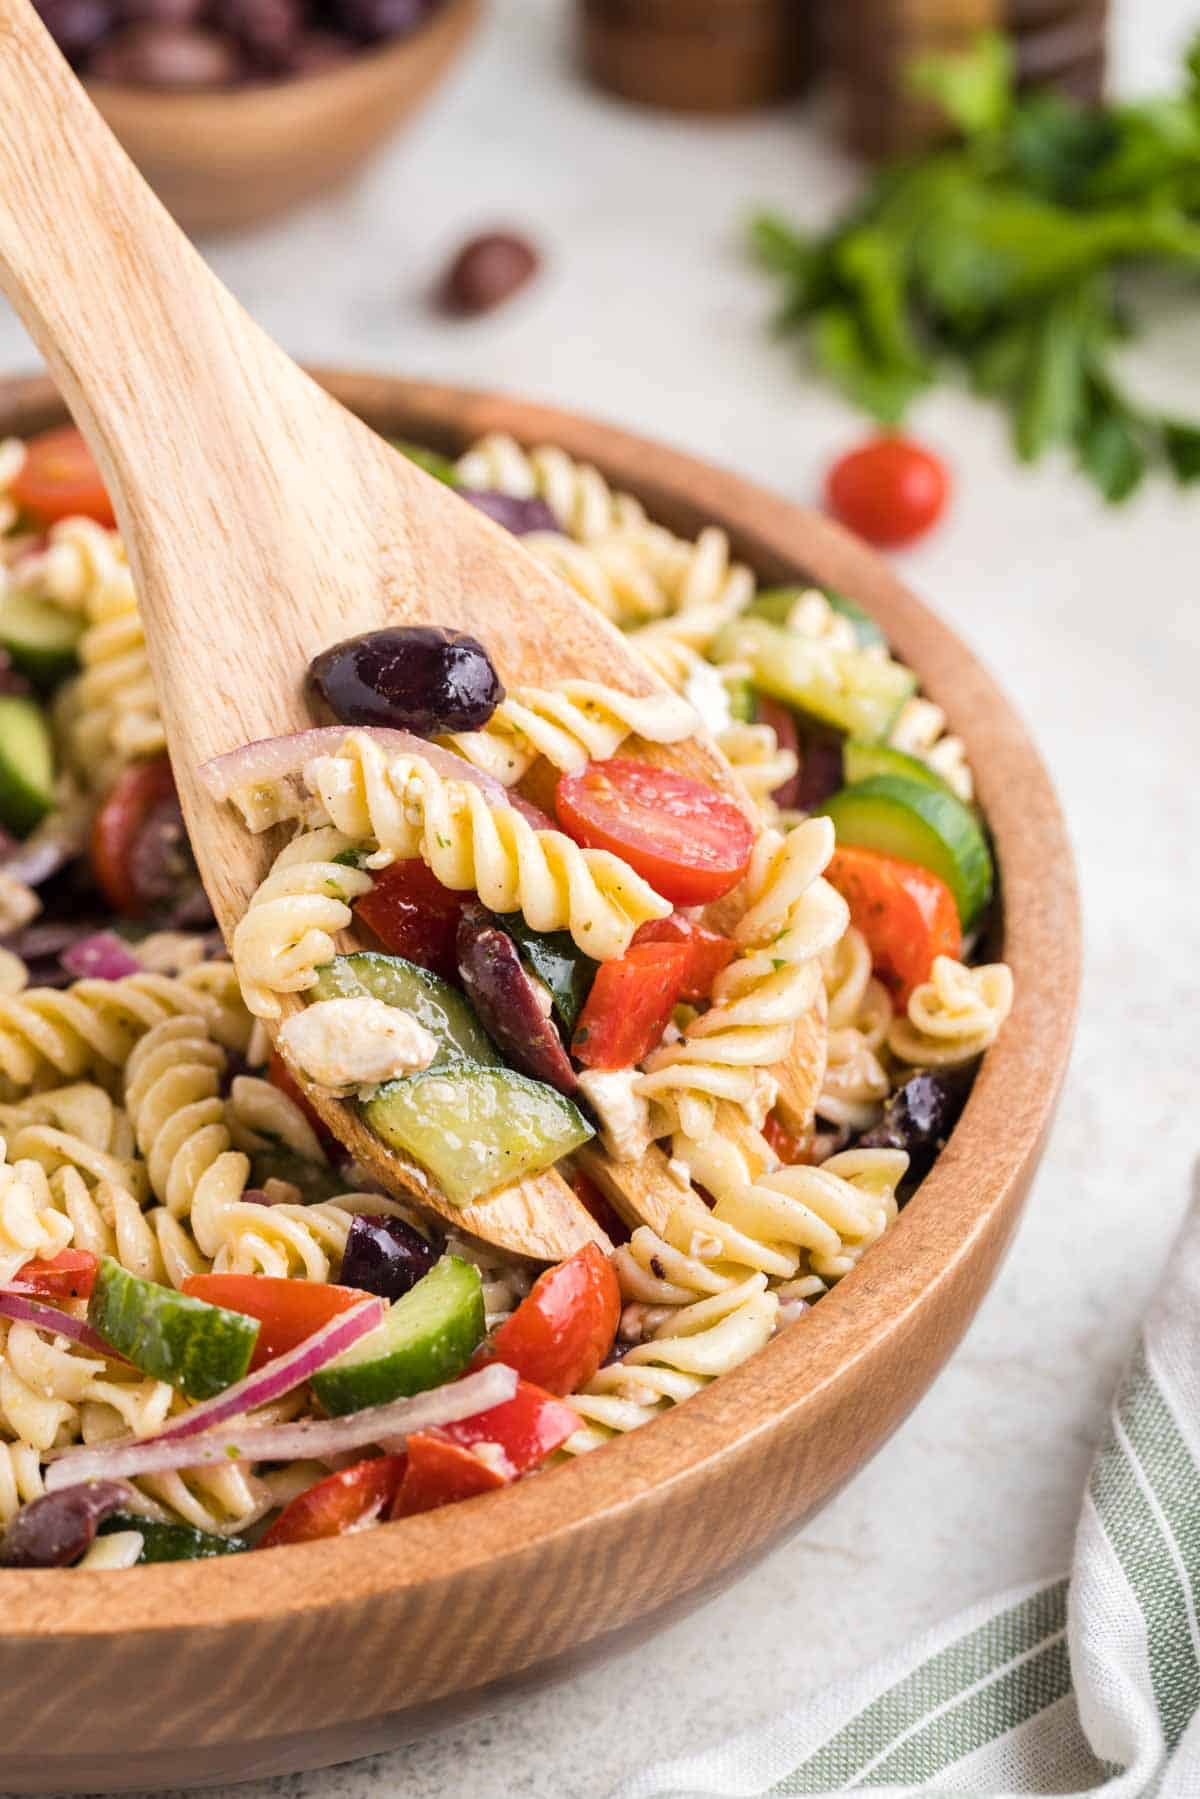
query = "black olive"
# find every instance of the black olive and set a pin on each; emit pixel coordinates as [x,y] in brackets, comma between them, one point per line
[420,678]
[919,1117]
[385,1256]
[505,997]
[54,1531]
[516,514]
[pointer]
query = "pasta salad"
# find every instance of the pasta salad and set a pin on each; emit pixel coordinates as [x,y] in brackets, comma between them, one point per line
[738,1025]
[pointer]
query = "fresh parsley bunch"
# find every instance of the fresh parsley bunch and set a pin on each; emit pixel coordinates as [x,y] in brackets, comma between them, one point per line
[1005,254]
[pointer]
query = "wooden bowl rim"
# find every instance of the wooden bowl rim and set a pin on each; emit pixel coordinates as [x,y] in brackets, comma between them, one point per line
[995,1141]
[369,63]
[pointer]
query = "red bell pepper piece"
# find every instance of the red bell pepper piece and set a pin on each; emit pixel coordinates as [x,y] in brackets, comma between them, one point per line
[564,1327]
[289,1312]
[345,1501]
[71,1274]
[476,1455]
[709,952]
[790,1149]
[905,912]
[593,1201]
[629,1005]
[414,916]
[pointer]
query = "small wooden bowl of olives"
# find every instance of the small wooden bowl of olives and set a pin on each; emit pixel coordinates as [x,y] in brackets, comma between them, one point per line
[237,110]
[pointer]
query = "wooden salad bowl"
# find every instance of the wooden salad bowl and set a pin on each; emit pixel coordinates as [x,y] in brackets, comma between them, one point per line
[222,160]
[299,1657]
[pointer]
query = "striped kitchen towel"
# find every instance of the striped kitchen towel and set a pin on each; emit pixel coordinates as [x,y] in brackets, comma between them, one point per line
[1078,1686]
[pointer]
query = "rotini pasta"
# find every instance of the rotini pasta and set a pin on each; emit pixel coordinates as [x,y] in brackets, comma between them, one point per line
[609,573]
[30,1226]
[859,1011]
[580,498]
[724,1053]
[570,725]
[955,1015]
[293,918]
[920,731]
[408,808]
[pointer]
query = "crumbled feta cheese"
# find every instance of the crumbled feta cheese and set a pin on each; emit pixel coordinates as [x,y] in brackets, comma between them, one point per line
[348,1043]
[706,691]
[623,1114]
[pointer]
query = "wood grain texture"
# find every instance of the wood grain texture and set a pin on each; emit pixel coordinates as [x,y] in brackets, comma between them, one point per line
[167,1675]
[701,56]
[223,161]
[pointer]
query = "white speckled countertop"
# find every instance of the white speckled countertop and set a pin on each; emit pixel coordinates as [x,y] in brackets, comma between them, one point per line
[1092,621]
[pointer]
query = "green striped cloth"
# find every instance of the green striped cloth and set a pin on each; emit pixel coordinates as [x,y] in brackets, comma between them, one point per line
[1084,1684]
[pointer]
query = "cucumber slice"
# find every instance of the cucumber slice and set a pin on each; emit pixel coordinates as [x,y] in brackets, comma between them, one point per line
[742,706]
[428,1336]
[197,1348]
[432,461]
[172,1542]
[775,603]
[859,694]
[433,1002]
[476,1129]
[863,761]
[555,960]
[920,824]
[26,764]
[40,637]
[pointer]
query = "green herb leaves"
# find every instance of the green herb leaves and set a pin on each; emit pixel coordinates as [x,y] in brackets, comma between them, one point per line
[1001,257]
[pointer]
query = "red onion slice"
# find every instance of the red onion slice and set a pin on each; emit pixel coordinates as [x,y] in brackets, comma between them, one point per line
[23,1310]
[312,1439]
[100,957]
[279,1376]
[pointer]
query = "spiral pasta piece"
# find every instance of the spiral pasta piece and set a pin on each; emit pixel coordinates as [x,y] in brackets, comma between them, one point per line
[955,1015]
[20,1478]
[31,1228]
[577,494]
[291,924]
[410,809]
[698,575]
[608,573]
[12,461]
[760,763]
[920,730]
[90,1027]
[859,1011]
[569,725]
[724,1053]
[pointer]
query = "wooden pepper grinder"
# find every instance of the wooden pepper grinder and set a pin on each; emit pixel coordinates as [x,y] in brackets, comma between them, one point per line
[704,56]
[867,46]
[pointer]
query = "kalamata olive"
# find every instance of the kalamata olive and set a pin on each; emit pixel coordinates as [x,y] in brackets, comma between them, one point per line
[385,1256]
[919,1117]
[76,26]
[161,12]
[171,56]
[515,514]
[508,1001]
[315,51]
[421,678]
[820,772]
[54,1531]
[370,20]
[267,29]
[486,271]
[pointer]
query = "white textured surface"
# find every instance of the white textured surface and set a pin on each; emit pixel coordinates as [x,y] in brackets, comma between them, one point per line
[1092,621]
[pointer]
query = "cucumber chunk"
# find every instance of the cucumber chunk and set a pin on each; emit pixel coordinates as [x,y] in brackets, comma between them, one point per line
[172,1542]
[433,1002]
[555,960]
[775,604]
[26,764]
[743,708]
[859,694]
[39,636]
[476,1129]
[863,761]
[197,1348]
[921,824]
[428,1336]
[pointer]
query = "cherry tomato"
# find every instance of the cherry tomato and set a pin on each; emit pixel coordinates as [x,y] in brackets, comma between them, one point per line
[281,1076]
[629,1004]
[687,840]
[907,915]
[71,1274]
[289,1312]
[441,1473]
[414,916]
[59,479]
[593,1201]
[889,490]
[345,1501]
[782,721]
[139,790]
[564,1327]
[790,1149]
[476,1455]
[708,951]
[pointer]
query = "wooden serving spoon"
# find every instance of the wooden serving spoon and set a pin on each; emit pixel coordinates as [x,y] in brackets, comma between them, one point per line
[262,521]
